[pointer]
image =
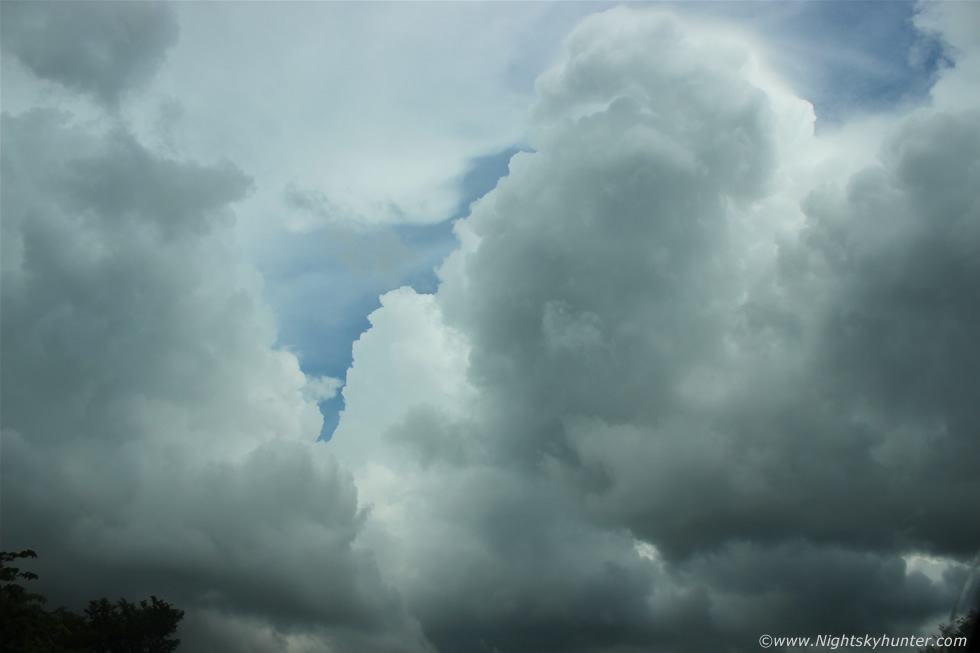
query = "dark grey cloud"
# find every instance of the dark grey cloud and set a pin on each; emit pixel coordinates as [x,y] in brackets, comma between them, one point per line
[154,441]
[103,49]
[94,234]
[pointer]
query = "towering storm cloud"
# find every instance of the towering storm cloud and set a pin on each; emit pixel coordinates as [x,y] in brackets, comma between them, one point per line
[716,385]
[699,367]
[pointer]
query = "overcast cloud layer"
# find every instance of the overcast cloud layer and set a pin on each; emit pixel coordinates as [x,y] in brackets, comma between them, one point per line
[693,373]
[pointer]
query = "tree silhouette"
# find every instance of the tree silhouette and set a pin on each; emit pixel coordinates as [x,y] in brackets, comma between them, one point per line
[124,627]
[964,627]
[24,620]
[106,627]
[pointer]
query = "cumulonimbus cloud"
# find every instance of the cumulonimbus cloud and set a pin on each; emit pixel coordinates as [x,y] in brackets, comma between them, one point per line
[685,328]
[691,376]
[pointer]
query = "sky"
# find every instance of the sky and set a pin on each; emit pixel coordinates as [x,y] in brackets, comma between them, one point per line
[493,326]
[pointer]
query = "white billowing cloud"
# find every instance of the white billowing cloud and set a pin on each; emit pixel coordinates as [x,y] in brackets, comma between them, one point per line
[360,104]
[154,439]
[321,388]
[408,360]
[690,323]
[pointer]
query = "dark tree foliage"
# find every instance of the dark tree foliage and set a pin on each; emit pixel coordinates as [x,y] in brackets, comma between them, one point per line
[120,627]
[124,627]
[964,627]
[23,619]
